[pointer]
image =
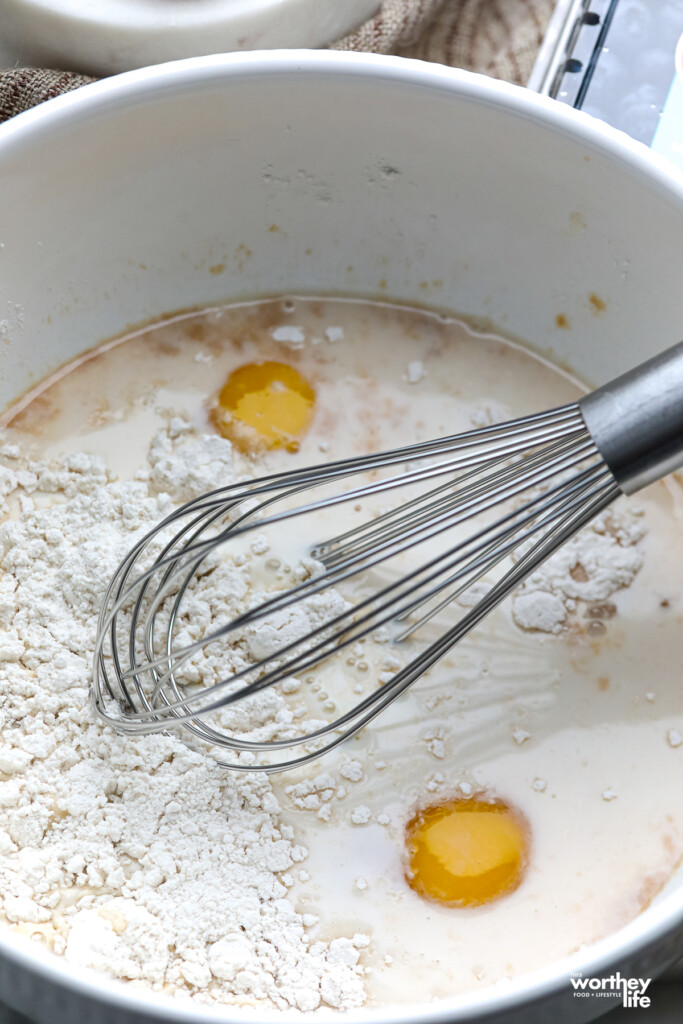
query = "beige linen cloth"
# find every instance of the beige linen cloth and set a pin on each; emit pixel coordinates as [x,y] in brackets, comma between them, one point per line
[496,37]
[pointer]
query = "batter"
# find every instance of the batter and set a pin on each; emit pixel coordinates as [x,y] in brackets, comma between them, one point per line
[550,716]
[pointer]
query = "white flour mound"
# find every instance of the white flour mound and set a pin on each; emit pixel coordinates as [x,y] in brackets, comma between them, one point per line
[590,567]
[135,856]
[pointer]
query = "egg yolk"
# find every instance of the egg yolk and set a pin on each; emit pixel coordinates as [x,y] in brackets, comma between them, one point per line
[466,852]
[264,405]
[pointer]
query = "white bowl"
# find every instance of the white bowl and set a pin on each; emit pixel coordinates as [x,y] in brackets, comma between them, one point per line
[102,37]
[381,174]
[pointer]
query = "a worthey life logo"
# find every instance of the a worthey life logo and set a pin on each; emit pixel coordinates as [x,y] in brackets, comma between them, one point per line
[631,990]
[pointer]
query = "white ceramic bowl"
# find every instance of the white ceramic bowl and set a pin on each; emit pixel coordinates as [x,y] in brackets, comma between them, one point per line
[381,174]
[102,37]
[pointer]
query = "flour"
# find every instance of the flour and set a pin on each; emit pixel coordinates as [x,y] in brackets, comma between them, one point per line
[184,471]
[292,337]
[592,566]
[292,623]
[138,856]
[415,372]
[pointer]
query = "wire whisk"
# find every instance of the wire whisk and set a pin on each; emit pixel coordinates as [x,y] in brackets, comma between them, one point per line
[487,506]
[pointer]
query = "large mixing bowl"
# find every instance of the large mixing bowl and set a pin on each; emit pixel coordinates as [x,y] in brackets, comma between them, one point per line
[385,177]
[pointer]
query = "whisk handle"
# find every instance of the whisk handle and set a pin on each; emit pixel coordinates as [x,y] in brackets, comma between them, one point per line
[636,421]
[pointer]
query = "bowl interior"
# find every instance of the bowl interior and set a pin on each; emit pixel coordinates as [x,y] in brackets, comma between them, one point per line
[224,179]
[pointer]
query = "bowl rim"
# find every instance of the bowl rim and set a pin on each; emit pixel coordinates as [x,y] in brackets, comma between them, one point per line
[95,97]
[27,129]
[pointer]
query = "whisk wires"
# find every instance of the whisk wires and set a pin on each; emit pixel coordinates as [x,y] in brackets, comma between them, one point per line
[486,507]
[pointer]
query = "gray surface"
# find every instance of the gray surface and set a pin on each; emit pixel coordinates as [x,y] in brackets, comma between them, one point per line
[635,67]
[635,71]
[666,1008]
[8,1016]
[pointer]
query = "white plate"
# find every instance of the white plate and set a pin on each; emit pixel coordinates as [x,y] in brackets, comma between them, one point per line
[103,37]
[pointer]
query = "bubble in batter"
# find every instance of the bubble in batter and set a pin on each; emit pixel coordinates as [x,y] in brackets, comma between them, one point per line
[264,405]
[463,853]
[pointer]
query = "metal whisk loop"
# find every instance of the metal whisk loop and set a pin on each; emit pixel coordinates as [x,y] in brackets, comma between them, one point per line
[484,507]
[530,482]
